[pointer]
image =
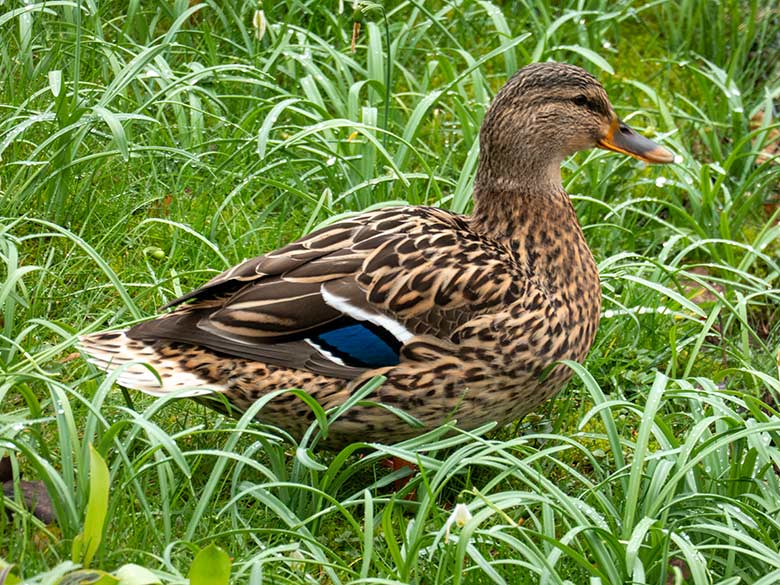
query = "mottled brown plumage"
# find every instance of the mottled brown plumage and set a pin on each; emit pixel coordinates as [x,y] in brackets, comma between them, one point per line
[466,316]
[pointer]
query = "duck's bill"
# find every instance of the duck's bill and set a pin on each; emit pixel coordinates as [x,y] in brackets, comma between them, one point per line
[621,138]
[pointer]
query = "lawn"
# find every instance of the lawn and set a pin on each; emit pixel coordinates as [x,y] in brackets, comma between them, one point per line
[147,146]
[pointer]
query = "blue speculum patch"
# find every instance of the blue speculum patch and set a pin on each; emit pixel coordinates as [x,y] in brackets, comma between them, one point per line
[360,344]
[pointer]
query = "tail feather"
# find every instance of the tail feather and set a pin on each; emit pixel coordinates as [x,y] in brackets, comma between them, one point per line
[111,350]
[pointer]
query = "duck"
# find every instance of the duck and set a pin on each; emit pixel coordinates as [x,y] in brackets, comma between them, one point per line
[466,318]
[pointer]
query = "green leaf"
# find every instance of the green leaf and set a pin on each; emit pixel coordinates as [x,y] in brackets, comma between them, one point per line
[85,545]
[591,56]
[304,456]
[88,577]
[131,574]
[211,566]
[55,82]
[6,577]
[117,130]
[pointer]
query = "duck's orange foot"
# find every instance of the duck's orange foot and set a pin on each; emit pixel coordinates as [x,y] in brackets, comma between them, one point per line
[395,464]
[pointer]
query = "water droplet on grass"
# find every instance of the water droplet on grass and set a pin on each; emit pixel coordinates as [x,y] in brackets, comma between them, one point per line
[717,168]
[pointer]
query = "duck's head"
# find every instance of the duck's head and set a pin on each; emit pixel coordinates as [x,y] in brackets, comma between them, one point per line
[546,112]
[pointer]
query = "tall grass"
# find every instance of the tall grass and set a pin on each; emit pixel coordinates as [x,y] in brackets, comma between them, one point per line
[146,146]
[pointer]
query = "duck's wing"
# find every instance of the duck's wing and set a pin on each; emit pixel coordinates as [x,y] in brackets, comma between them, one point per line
[343,299]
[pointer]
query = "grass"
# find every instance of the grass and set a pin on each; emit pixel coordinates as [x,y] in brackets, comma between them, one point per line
[146,146]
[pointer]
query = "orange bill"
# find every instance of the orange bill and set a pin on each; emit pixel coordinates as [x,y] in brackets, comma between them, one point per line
[621,138]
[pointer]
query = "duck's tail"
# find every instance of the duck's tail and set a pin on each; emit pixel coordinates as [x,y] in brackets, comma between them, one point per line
[112,350]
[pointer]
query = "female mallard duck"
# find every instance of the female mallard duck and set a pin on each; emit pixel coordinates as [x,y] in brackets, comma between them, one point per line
[461,314]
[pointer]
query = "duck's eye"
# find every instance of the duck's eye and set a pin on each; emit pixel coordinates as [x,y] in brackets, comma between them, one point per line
[580,100]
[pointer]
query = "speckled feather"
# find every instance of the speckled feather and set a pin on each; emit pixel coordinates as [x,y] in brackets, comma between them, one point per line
[482,307]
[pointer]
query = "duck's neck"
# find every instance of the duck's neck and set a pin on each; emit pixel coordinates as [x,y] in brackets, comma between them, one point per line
[508,211]
[538,224]
[517,190]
